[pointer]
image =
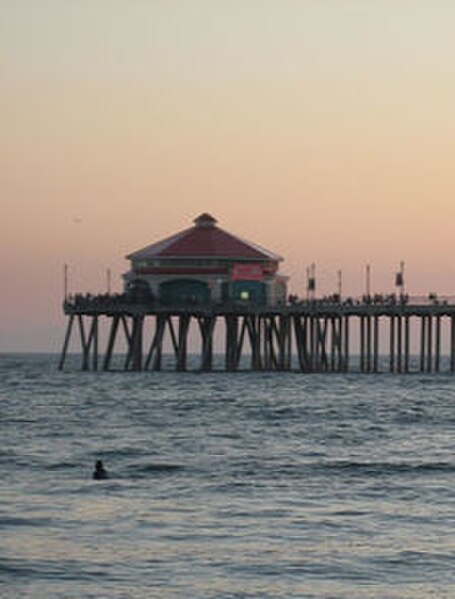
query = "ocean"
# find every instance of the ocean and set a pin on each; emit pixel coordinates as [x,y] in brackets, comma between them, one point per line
[225,485]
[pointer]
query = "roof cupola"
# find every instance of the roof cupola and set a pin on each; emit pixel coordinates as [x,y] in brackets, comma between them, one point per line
[205,220]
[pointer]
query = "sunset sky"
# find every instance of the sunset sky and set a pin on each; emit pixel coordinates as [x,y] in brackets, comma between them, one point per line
[324,130]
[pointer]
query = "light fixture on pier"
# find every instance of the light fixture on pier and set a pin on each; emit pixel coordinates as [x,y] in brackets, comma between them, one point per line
[311,281]
[368,280]
[65,281]
[399,278]
[339,276]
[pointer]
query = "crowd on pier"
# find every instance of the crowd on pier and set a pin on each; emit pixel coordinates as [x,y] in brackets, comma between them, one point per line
[106,301]
[378,299]
[99,301]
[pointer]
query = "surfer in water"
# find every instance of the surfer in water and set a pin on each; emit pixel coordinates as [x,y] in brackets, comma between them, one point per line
[99,473]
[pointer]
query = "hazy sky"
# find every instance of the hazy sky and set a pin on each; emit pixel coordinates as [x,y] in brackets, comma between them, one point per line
[323,130]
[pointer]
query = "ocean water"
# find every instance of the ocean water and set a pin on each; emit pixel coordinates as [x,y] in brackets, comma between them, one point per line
[225,485]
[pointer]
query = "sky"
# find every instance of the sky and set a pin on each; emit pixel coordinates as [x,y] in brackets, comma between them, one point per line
[324,130]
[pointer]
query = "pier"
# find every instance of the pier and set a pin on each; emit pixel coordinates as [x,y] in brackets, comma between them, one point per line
[365,336]
[204,288]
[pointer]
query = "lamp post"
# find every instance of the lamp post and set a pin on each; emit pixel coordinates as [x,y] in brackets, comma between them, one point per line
[399,278]
[368,280]
[311,281]
[65,281]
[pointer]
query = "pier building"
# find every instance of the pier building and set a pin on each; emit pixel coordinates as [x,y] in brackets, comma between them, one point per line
[205,264]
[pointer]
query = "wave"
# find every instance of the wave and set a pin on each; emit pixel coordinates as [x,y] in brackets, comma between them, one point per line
[157,468]
[381,468]
[68,570]
[123,452]
[348,468]
[57,466]
[15,521]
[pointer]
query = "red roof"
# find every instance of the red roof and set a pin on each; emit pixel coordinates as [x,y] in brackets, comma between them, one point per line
[204,240]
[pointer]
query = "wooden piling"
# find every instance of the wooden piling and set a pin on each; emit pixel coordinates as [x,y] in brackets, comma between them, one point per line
[392,344]
[407,342]
[318,334]
[66,342]
[423,330]
[452,343]
[429,343]
[375,343]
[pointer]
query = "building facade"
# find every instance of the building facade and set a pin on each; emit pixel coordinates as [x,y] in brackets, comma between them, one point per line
[205,264]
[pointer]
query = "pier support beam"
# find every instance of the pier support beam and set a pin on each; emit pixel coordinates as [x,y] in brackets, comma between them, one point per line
[452,343]
[346,345]
[154,359]
[111,342]
[320,337]
[206,328]
[407,343]
[429,343]
[231,351]
[376,344]
[66,342]
[437,344]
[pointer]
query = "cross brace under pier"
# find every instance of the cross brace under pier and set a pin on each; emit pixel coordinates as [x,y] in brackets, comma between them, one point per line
[263,341]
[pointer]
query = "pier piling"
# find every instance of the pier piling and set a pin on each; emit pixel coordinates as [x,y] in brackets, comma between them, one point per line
[310,337]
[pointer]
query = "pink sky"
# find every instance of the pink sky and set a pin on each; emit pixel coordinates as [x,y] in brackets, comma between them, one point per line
[322,130]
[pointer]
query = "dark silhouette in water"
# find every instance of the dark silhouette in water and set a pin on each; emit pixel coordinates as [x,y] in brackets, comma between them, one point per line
[100,473]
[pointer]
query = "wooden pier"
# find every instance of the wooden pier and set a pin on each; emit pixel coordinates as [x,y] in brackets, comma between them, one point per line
[314,336]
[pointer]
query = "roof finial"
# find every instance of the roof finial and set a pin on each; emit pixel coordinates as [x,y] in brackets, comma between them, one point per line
[205,220]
